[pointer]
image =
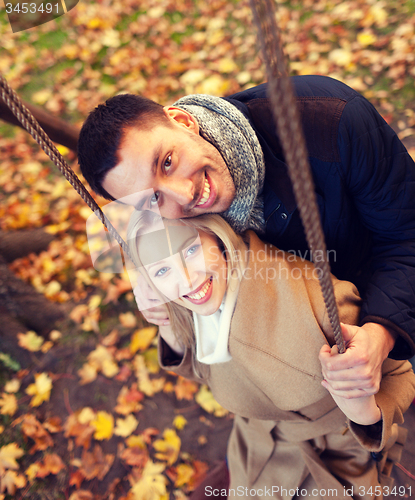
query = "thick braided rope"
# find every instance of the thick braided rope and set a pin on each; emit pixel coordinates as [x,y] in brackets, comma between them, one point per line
[30,123]
[292,140]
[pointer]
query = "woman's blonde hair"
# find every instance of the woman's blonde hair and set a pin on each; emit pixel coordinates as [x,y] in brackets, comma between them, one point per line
[181,319]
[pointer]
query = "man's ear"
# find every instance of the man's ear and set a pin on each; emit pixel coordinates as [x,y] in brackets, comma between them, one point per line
[182,118]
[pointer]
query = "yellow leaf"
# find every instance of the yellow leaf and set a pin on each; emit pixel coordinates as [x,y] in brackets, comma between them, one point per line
[213,85]
[366,38]
[40,389]
[41,96]
[142,338]
[94,302]
[179,422]
[10,481]
[151,359]
[63,150]
[127,319]
[8,404]
[136,442]
[86,415]
[12,385]
[125,426]
[30,341]
[145,384]
[169,447]
[8,456]
[227,65]
[99,355]
[152,484]
[104,425]
[341,57]
[206,400]
[88,373]
[110,368]
[184,474]
[32,470]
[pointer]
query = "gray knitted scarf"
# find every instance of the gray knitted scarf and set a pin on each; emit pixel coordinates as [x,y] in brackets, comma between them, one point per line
[224,126]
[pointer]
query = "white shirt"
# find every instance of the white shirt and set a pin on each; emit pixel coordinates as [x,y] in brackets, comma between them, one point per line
[212,332]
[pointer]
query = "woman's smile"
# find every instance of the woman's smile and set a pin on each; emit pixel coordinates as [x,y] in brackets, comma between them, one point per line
[201,294]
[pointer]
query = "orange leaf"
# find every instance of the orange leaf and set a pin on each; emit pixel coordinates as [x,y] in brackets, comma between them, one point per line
[185,389]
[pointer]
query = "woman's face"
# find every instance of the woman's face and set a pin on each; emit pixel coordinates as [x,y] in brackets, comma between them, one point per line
[193,274]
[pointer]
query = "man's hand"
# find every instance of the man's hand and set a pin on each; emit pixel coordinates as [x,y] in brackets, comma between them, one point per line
[356,373]
[149,304]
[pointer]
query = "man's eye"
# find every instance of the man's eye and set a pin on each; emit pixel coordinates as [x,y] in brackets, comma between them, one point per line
[161,272]
[167,163]
[154,199]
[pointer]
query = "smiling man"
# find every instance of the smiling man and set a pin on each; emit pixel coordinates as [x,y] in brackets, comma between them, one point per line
[210,154]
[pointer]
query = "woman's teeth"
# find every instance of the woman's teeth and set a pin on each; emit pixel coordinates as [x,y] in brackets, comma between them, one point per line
[206,193]
[201,293]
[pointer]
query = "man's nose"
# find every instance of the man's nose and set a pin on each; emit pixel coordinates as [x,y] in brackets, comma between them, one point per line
[180,190]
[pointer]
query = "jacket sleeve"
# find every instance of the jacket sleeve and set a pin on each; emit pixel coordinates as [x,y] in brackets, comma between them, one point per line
[397,391]
[180,365]
[379,175]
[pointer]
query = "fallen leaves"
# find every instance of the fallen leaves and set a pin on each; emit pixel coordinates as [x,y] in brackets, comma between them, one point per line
[104,425]
[125,426]
[40,390]
[161,50]
[151,485]
[9,479]
[168,448]
[206,400]
[94,464]
[8,404]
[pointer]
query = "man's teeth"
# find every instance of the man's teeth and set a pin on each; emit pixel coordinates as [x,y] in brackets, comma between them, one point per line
[206,193]
[201,293]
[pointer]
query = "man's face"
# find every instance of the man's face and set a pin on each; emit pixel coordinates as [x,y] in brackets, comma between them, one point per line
[187,174]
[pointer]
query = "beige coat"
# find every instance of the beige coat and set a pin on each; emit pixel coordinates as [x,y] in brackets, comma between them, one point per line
[288,432]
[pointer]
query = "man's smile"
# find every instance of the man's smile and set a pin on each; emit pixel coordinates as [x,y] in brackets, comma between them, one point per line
[208,194]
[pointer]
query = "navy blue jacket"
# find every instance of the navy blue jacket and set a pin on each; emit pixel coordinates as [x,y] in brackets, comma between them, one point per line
[365,186]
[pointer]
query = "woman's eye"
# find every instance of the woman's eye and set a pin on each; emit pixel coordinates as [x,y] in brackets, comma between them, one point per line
[154,199]
[192,250]
[167,163]
[161,271]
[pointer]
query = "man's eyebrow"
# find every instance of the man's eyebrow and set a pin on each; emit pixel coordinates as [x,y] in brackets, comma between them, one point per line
[154,165]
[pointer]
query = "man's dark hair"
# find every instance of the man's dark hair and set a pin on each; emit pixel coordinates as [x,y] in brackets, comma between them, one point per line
[104,129]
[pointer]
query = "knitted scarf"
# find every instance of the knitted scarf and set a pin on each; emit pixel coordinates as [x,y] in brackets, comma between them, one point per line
[224,126]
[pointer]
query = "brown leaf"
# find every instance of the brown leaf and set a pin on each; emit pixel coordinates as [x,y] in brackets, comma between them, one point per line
[136,457]
[82,432]
[96,464]
[51,464]
[32,428]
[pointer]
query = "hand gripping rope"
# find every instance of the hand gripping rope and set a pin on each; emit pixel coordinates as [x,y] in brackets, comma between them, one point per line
[289,131]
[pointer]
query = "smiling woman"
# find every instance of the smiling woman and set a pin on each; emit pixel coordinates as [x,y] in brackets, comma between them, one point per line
[252,308]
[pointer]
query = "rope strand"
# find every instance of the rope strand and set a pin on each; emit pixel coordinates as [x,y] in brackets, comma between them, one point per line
[287,119]
[30,123]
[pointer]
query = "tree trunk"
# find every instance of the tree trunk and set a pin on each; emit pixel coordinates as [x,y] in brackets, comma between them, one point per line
[14,245]
[58,130]
[23,302]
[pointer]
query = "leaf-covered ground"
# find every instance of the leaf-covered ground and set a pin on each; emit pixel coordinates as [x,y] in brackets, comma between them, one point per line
[85,413]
